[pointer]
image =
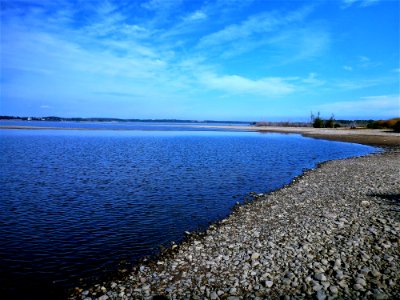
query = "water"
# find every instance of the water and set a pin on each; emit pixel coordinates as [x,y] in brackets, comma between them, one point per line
[76,203]
[148,126]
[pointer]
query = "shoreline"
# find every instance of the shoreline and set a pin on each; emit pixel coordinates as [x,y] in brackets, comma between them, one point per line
[242,243]
[371,137]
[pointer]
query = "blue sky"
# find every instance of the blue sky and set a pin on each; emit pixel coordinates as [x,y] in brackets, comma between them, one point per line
[255,60]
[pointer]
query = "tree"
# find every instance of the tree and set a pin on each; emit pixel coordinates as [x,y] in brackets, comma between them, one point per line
[396,127]
[330,123]
[318,123]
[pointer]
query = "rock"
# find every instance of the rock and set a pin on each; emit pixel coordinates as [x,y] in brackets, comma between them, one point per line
[333,289]
[320,277]
[290,275]
[317,287]
[104,297]
[232,291]
[255,255]
[361,281]
[358,287]
[379,295]
[339,274]
[269,283]
[213,296]
[320,295]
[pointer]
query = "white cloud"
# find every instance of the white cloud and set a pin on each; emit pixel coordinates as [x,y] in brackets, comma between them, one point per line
[299,44]
[312,79]
[161,4]
[348,68]
[256,24]
[370,106]
[196,16]
[361,3]
[235,84]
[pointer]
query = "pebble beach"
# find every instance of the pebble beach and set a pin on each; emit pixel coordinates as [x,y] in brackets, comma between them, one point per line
[334,232]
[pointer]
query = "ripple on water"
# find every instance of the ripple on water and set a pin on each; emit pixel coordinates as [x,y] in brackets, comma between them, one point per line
[73,206]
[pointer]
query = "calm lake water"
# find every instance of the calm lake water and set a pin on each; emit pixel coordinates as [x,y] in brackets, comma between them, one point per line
[75,203]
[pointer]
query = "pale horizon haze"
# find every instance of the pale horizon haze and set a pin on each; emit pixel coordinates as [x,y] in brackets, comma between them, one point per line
[247,60]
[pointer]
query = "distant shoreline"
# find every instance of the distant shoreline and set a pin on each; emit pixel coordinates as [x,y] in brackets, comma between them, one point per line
[373,137]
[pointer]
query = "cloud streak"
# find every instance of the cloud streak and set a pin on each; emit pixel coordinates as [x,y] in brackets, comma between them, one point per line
[368,107]
[235,84]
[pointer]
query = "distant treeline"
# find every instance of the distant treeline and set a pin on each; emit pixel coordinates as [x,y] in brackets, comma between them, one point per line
[330,123]
[282,124]
[60,119]
[341,123]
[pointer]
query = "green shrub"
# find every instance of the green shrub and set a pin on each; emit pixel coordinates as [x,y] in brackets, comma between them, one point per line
[318,123]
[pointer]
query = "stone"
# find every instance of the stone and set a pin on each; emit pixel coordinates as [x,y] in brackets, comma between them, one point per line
[255,255]
[320,295]
[333,289]
[317,287]
[361,281]
[213,296]
[104,297]
[379,295]
[269,283]
[358,287]
[339,274]
[320,277]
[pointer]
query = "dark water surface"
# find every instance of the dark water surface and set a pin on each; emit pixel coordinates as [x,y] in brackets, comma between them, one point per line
[76,203]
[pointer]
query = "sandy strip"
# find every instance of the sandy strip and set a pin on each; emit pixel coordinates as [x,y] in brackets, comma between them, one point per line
[376,137]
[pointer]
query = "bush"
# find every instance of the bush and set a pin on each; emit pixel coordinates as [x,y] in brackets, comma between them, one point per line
[329,123]
[382,124]
[318,123]
[396,127]
[337,125]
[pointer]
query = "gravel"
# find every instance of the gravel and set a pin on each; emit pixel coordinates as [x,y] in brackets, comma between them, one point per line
[333,233]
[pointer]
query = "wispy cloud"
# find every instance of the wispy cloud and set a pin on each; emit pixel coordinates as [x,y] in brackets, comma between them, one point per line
[196,16]
[161,4]
[361,3]
[362,83]
[299,44]
[347,68]
[384,105]
[235,84]
[245,31]
[312,79]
